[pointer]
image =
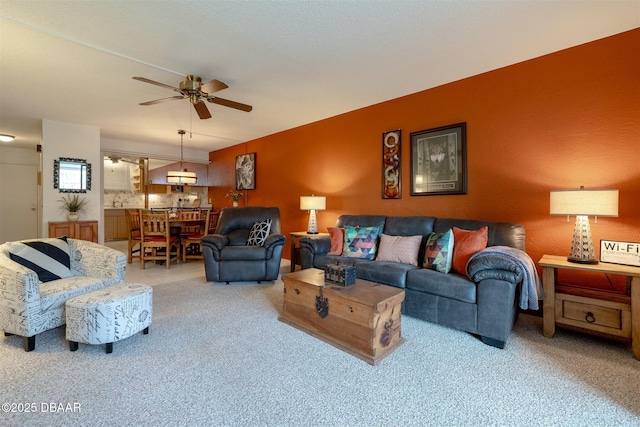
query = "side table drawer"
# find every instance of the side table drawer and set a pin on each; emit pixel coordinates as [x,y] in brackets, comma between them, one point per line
[603,316]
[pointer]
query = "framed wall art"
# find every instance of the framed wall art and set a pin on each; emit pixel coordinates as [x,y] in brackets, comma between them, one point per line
[439,161]
[391,167]
[246,171]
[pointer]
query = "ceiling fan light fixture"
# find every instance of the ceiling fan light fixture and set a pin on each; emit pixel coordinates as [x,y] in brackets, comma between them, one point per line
[182,176]
[193,89]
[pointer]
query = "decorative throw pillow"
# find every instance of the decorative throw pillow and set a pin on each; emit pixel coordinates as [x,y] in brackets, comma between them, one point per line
[360,242]
[438,253]
[337,240]
[48,258]
[402,249]
[259,232]
[467,243]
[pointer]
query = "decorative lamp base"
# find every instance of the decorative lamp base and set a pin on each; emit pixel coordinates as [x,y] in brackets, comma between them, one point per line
[582,251]
[582,261]
[313,224]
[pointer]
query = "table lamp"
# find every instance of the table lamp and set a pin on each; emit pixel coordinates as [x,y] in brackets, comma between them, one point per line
[583,203]
[312,204]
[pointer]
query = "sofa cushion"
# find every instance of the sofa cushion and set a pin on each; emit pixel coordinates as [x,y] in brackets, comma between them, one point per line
[402,249]
[409,225]
[362,221]
[259,232]
[243,253]
[238,237]
[438,254]
[385,272]
[336,234]
[466,244]
[48,258]
[454,286]
[360,242]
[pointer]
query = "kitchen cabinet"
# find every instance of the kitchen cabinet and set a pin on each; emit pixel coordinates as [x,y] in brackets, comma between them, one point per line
[82,230]
[115,224]
[158,189]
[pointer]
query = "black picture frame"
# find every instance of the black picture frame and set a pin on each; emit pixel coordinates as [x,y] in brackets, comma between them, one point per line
[246,171]
[439,161]
[82,169]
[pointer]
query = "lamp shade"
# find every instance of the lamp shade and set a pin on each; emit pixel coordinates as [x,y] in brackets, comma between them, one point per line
[308,203]
[181,177]
[584,202]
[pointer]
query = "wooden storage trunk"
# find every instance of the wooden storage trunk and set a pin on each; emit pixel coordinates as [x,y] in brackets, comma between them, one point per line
[362,319]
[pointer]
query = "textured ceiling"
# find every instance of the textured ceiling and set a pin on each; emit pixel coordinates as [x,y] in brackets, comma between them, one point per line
[295,62]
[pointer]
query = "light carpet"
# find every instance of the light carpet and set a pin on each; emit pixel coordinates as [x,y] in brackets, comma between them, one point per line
[216,355]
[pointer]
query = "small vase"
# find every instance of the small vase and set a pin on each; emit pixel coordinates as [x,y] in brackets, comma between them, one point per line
[235,204]
[73,216]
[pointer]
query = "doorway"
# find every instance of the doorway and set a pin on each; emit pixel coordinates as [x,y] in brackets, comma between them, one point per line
[19,196]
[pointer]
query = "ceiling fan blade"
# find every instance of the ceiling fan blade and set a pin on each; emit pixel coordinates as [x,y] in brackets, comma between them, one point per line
[143,79]
[232,104]
[202,110]
[158,101]
[213,86]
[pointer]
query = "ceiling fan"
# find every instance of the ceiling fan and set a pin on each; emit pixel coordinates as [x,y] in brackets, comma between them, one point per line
[117,159]
[193,89]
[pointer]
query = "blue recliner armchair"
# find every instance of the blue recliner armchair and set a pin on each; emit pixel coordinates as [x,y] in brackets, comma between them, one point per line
[228,258]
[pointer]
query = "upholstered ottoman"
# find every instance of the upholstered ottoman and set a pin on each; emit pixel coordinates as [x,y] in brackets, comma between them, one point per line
[109,315]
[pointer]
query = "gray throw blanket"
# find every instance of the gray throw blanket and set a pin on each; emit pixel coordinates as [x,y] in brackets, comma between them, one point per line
[507,263]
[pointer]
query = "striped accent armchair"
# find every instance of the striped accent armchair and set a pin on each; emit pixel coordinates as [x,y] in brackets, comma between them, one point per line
[29,306]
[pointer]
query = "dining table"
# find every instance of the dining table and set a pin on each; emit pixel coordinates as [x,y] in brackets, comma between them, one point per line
[176,224]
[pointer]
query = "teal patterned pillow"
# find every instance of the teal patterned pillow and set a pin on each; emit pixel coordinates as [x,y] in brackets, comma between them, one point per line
[360,242]
[438,254]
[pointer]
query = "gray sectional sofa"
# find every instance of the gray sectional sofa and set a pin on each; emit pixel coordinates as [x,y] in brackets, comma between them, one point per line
[485,305]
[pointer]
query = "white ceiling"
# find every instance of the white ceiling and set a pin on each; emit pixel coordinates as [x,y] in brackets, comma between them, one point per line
[295,62]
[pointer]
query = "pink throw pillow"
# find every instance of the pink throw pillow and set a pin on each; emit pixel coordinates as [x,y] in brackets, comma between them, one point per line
[337,240]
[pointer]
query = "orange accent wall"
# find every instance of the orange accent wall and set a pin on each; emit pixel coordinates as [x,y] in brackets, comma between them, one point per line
[559,121]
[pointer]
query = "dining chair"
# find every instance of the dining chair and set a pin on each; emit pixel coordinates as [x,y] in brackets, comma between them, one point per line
[157,243]
[191,246]
[133,225]
[189,215]
[213,221]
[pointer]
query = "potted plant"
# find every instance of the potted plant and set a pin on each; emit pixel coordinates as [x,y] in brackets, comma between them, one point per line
[234,196]
[72,204]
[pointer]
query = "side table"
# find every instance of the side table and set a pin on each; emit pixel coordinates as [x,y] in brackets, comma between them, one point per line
[604,312]
[295,252]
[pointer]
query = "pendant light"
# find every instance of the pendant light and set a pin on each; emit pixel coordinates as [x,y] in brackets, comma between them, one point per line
[181,176]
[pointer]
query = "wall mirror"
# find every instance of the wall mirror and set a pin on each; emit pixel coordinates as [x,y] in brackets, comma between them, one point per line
[71,175]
